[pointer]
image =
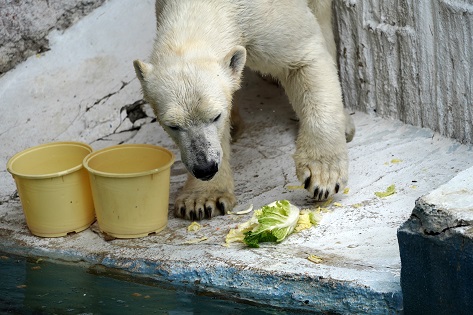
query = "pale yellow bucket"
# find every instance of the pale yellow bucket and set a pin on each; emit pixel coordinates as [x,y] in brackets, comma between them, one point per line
[54,188]
[130,186]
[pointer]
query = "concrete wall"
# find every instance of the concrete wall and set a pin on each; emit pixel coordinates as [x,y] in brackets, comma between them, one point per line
[25,24]
[409,60]
[404,59]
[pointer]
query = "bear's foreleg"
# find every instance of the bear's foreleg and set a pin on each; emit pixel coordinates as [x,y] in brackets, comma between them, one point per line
[321,155]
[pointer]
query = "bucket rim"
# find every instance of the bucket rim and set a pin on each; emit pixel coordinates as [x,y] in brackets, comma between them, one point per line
[11,161]
[93,171]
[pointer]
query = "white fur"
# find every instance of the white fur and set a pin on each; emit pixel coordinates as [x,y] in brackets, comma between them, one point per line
[195,67]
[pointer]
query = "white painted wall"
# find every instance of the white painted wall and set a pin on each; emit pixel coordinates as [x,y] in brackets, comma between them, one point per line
[409,60]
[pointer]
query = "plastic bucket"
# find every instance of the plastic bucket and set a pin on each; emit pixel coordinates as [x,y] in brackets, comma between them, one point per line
[130,186]
[54,188]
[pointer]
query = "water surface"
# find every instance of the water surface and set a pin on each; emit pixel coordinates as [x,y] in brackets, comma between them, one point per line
[36,286]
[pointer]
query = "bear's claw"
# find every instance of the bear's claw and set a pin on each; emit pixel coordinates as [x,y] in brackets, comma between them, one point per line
[322,180]
[321,194]
[197,206]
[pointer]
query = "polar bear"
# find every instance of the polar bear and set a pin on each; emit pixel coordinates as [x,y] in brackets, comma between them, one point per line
[196,65]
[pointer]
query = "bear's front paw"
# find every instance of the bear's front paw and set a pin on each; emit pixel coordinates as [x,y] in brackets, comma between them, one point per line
[203,205]
[323,176]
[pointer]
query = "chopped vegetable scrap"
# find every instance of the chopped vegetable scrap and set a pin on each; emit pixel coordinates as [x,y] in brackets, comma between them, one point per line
[237,235]
[195,241]
[346,191]
[315,259]
[389,191]
[248,210]
[273,223]
[316,216]
[294,187]
[303,223]
[194,227]
[393,161]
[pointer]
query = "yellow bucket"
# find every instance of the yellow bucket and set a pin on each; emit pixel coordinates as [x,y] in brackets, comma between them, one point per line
[130,186]
[54,188]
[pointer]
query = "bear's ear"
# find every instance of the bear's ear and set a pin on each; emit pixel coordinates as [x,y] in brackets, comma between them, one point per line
[235,61]
[142,69]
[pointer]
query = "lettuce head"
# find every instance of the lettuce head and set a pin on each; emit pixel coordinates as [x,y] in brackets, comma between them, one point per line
[275,222]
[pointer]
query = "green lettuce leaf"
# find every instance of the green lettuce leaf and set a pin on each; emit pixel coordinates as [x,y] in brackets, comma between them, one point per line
[389,191]
[275,222]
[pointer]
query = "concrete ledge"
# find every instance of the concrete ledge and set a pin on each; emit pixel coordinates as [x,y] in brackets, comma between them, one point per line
[91,97]
[262,281]
[436,247]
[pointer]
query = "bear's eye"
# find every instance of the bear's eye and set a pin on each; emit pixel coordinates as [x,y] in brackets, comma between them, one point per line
[217,118]
[174,128]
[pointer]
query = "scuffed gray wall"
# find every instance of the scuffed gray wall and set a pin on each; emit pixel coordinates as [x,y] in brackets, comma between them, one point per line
[404,59]
[25,24]
[410,60]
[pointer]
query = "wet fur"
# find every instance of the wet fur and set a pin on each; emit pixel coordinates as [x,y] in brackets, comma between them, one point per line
[195,67]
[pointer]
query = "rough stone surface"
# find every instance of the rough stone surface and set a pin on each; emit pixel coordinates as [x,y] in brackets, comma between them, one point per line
[449,206]
[436,247]
[409,60]
[93,96]
[25,25]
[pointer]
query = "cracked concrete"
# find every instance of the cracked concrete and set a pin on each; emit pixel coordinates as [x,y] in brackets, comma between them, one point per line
[25,25]
[449,206]
[92,96]
[436,247]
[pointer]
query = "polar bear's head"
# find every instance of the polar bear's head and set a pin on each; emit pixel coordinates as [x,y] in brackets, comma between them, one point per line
[191,97]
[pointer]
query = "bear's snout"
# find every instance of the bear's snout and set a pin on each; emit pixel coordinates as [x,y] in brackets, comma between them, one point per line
[206,171]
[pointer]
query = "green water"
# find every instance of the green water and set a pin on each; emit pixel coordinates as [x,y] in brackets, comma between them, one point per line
[35,286]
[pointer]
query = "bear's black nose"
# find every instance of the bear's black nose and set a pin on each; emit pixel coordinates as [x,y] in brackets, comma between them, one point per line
[206,171]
